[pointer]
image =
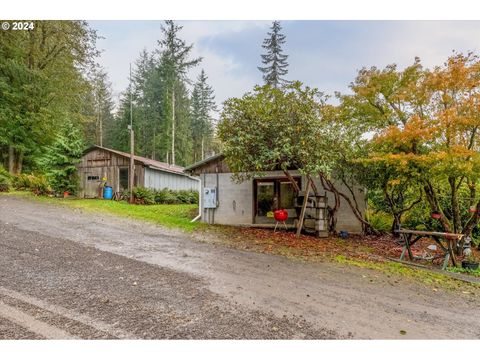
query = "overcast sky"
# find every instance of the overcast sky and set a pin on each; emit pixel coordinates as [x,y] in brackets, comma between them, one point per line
[322,54]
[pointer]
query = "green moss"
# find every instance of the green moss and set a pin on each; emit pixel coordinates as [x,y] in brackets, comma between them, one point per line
[171,216]
[424,276]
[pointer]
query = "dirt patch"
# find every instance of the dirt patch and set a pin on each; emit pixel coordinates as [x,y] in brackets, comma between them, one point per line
[148,301]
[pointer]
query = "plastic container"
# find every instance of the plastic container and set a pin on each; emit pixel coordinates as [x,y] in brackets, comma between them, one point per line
[469,265]
[107,192]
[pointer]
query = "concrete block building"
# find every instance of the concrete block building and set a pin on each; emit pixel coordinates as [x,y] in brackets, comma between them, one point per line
[252,202]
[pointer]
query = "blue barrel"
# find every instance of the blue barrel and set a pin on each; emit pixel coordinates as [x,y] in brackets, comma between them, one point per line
[107,192]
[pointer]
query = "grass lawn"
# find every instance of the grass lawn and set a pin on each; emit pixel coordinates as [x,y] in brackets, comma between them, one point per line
[171,216]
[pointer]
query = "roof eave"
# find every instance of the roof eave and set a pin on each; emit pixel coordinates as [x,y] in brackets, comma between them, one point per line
[203,162]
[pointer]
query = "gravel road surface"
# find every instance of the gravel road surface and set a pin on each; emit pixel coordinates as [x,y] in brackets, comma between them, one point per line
[65,273]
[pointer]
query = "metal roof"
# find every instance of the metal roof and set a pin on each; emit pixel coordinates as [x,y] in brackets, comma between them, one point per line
[154,164]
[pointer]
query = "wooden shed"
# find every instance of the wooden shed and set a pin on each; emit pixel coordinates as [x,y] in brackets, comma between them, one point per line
[99,162]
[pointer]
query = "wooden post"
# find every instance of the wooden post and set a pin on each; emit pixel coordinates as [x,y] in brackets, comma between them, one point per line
[173,124]
[132,164]
[304,206]
[132,145]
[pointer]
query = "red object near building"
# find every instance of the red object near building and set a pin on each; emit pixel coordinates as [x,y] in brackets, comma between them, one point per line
[280,215]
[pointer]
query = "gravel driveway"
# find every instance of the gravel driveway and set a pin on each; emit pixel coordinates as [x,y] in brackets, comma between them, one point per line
[65,273]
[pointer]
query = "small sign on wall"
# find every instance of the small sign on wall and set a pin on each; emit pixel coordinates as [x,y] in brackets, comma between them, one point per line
[210,198]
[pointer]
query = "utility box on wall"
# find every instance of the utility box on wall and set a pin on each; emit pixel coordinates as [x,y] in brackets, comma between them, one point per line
[209,198]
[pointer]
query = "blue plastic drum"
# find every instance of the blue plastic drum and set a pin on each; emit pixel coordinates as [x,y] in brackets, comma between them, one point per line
[107,192]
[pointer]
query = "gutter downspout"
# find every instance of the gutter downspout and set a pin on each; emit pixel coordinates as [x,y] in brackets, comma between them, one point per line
[199,199]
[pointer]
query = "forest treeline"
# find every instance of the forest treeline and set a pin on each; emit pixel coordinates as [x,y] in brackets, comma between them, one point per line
[55,100]
[409,137]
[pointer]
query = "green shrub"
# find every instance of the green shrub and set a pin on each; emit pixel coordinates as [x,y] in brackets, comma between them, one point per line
[5,180]
[380,220]
[167,196]
[21,182]
[38,184]
[164,196]
[143,196]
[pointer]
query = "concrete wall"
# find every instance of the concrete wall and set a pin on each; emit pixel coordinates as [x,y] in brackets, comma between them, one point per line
[235,201]
[156,179]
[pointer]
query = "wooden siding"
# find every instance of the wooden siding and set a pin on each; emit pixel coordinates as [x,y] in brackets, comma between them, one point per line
[103,163]
[212,167]
[99,162]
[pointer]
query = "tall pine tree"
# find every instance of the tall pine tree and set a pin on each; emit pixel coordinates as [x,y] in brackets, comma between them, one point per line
[274,60]
[174,63]
[203,104]
[103,109]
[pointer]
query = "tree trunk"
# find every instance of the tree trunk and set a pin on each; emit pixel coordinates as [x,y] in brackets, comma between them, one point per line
[15,161]
[332,212]
[473,193]
[397,217]
[19,163]
[455,205]
[435,206]
[314,187]
[11,159]
[367,227]
[153,148]
[292,180]
[101,130]
[473,221]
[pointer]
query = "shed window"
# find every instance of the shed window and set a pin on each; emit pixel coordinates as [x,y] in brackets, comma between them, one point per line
[93,178]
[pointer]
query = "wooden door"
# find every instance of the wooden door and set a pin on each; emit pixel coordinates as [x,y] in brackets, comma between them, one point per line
[93,182]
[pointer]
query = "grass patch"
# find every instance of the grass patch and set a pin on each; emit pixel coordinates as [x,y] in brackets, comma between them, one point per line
[464,271]
[424,276]
[171,216]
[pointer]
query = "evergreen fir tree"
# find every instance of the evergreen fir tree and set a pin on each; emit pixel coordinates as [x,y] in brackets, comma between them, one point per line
[203,104]
[274,60]
[147,104]
[174,64]
[59,159]
[103,109]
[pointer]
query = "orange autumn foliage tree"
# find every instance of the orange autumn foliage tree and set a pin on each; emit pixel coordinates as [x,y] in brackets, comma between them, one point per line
[384,100]
[436,139]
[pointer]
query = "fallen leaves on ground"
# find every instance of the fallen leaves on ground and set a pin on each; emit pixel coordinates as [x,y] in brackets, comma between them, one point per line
[372,248]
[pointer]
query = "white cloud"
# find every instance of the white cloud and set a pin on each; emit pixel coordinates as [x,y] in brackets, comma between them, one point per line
[328,59]
[219,67]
